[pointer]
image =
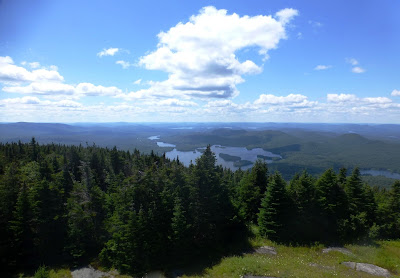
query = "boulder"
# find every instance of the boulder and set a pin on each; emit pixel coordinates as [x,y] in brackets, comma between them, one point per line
[266,250]
[368,268]
[338,249]
[90,272]
[373,269]
[252,276]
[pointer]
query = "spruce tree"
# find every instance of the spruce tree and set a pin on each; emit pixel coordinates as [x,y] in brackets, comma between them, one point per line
[272,219]
[332,207]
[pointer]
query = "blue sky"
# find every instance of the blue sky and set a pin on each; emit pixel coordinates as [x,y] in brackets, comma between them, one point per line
[138,61]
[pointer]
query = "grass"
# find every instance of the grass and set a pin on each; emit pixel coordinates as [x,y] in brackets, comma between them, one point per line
[291,261]
[300,261]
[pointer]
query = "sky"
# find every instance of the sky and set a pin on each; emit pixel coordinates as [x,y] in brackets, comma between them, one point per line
[200,61]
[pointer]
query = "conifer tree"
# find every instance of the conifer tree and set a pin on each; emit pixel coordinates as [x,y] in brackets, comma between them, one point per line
[332,206]
[272,218]
[251,191]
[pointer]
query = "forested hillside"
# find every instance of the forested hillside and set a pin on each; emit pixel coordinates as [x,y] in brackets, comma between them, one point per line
[72,204]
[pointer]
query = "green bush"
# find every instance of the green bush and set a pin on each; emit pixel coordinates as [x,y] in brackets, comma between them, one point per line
[42,272]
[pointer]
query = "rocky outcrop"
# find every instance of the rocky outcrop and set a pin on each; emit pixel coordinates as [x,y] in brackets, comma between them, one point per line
[338,249]
[266,250]
[252,276]
[90,272]
[368,268]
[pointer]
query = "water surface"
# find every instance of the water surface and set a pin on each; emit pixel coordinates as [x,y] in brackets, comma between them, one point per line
[380,173]
[251,155]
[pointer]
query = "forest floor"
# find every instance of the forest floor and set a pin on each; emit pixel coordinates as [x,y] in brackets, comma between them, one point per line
[276,260]
[307,262]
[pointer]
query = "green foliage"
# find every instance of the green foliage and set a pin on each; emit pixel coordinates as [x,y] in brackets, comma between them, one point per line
[72,204]
[332,206]
[42,272]
[251,190]
[273,215]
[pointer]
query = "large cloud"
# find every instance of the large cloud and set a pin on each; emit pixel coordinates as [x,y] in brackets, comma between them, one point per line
[54,89]
[9,72]
[199,55]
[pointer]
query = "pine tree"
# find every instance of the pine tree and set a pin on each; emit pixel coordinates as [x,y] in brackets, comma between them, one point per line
[302,192]
[251,191]
[361,209]
[23,246]
[272,219]
[332,207]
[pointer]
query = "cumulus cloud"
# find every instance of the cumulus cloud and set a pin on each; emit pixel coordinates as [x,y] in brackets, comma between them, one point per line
[34,65]
[265,99]
[137,82]
[341,98]
[358,70]
[315,24]
[44,88]
[377,100]
[352,61]
[54,89]
[199,55]
[221,103]
[322,67]
[88,89]
[9,72]
[177,103]
[286,15]
[395,93]
[108,52]
[124,64]
[355,63]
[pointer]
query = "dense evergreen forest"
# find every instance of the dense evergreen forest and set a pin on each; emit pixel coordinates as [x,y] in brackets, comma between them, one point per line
[72,204]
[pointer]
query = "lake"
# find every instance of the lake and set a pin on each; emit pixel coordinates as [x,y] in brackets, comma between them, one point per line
[251,155]
[155,137]
[165,145]
[381,173]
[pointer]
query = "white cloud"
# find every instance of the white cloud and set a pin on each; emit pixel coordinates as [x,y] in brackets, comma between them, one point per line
[23,100]
[395,93]
[108,52]
[322,67]
[221,103]
[9,72]
[36,88]
[358,70]
[53,67]
[199,55]
[88,89]
[176,102]
[265,99]
[53,89]
[352,61]
[377,100]
[315,24]
[341,98]
[68,103]
[285,16]
[124,64]
[34,65]
[137,82]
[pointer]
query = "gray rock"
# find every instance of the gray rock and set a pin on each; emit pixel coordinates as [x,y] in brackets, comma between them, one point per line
[90,272]
[252,276]
[266,250]
[349,264]
[373,269]
[338,249]
[368,268]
